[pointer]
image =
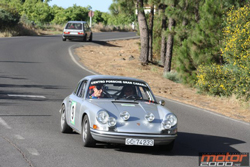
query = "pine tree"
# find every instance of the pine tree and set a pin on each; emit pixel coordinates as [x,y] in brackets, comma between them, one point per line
[170,38]
[143,32]
[200,41]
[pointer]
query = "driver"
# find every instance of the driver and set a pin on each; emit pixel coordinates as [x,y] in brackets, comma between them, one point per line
[128,91]
[97,92]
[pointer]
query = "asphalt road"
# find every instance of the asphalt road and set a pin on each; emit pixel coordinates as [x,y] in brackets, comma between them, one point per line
[36,73]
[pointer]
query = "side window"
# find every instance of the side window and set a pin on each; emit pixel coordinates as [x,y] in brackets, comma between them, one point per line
[86,27]
[82,90]
[78,86]
[143,93]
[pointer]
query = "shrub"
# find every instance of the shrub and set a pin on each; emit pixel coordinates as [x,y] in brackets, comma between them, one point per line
[234,76]
[214,80]
[9,18]
[173,76]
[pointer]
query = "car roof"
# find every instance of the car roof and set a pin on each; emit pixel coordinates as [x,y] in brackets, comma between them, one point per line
[94,77]
[77,22]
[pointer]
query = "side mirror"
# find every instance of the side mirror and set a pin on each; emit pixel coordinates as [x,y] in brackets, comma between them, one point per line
[162,102]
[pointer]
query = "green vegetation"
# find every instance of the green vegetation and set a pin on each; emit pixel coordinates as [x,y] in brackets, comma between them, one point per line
[206,42]
[9,17]
[233,77]
[37,15]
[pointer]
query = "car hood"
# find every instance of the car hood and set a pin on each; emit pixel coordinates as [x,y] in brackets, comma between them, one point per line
[137,110]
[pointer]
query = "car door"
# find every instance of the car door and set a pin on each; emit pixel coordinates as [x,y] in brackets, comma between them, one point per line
[75,103]
[87,30]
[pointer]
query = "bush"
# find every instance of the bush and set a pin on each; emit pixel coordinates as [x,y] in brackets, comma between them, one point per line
[215,80]
[173,76]
[234,76]
[9,18]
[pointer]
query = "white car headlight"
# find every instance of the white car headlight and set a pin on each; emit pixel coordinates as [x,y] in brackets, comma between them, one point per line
[111,121]
[102,117]
[150,117]
[125,115]
[169,121]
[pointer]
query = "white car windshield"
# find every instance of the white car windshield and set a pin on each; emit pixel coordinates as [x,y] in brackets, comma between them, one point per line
[120,90]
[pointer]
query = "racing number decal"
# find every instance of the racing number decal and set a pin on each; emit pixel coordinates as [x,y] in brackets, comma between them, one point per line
[72,112]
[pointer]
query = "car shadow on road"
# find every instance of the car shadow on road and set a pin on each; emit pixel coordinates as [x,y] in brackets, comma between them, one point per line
[102,43]
[186,144]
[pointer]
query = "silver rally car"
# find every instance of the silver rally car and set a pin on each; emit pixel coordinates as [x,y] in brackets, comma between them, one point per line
[119,110]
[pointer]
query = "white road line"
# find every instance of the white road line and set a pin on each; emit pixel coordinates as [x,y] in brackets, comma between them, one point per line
[74,60]
[19,137]
[28,96]
[33,151]
[4,124]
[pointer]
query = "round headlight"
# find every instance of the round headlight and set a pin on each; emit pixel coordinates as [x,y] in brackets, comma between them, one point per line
[102,117]
[169,121]
[111,121]
[150,117]
[166,124]
[125,115]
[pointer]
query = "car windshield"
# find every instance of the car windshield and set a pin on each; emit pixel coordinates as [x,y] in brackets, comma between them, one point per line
[120,90]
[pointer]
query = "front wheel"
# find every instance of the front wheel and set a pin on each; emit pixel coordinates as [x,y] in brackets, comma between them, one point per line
[170,146]
[87,139]
[64,126]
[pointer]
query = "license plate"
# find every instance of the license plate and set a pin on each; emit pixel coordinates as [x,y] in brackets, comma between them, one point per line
[139,142]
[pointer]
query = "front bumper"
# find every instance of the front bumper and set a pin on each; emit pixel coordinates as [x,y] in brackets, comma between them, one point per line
[119,138]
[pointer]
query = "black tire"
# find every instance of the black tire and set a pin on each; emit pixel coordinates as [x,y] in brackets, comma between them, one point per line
[90,38]
[87,139]
[84,38]
[65,128]
[63,39]
[170,146]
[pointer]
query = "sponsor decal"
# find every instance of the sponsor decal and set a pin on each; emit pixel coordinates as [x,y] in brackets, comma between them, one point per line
[73,113]
[118,82]
[128,105]
[224,159]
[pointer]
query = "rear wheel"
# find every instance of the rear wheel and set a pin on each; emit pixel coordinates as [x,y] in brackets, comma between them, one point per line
[64,126]
[84,38]
[63,39]
[90,38]
[87,139]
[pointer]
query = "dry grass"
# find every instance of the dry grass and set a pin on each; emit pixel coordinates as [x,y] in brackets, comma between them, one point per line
[114,58]
[102,28]
[26,30]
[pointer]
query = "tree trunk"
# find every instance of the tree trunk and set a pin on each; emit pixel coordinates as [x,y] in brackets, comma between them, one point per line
[150,33]
[143,27]
[185,21]
[163,37]
[170,44]
[196,11]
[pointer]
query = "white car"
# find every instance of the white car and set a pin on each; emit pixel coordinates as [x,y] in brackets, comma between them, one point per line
[77,30]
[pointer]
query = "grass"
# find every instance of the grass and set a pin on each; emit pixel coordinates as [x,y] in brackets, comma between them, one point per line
[28,29]
[173,76]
